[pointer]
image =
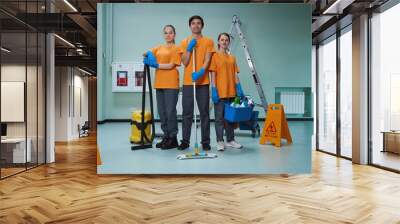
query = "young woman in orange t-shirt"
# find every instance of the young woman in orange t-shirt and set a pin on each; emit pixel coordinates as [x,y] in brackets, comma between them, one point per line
[225,86]
[165,58]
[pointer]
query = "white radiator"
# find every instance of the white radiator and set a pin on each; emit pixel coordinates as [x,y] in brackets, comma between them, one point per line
[293,102]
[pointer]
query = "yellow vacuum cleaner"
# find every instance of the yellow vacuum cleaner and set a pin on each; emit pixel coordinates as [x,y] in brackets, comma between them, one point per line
[142,121]
[137,125]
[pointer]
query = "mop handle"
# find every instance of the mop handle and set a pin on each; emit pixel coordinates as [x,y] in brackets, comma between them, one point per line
[194,95]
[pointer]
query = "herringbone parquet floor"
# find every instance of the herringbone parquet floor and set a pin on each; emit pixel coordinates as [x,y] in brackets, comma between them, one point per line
[70,191]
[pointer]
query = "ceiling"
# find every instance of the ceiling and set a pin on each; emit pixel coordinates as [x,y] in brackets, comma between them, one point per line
[76,22]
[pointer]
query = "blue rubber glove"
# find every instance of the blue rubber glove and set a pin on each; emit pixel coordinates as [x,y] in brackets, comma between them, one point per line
[214,95]
[239,91]
[191,45]
[152,60]
[145,61]
[154,65]
[198,74]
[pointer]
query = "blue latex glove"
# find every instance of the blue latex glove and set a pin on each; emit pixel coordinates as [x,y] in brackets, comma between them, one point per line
[198,74]
[214,95]
[145,61]
[191,45]
[239,91]
[154,65]
[152,60]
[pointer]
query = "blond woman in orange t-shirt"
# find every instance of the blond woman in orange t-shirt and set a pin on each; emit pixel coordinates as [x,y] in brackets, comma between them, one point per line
[165,59]
[225,86]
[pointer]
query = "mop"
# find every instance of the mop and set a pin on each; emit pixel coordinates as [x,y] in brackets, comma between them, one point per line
[196,154]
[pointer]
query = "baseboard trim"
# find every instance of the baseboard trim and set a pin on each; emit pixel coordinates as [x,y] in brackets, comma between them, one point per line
[180,120]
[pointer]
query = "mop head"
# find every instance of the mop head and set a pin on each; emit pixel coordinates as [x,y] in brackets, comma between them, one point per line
[197,154]
[201,155]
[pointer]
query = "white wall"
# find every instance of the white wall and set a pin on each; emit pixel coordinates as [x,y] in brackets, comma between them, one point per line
[80,109]
[34,125]
[12,73]
[62,81]
[71,87]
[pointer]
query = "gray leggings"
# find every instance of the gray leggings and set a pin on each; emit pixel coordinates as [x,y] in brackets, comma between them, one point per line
[166,105]
[221,124]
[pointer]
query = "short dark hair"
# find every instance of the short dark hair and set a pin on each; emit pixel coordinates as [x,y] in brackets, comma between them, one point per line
[196,17]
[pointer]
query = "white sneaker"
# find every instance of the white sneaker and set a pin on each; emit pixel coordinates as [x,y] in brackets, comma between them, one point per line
[233,144]
[220,146]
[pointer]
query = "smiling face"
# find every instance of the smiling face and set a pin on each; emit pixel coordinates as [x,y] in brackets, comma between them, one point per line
[223,41]
[169,34]
[196,26]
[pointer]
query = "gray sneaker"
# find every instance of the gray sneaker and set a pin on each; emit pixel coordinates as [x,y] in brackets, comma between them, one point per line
[233,144]
[220,146]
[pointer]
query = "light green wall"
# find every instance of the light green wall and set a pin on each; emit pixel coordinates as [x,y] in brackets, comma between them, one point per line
[279,37]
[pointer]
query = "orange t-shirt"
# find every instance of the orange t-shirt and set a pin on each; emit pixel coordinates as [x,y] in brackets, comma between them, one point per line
[225,68]
[204,45]
[167,79]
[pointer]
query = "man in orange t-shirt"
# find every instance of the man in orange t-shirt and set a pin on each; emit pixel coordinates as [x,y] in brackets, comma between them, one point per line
[204,48]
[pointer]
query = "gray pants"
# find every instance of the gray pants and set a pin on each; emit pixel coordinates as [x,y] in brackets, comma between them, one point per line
[221,124]
[166,105]
[203,103]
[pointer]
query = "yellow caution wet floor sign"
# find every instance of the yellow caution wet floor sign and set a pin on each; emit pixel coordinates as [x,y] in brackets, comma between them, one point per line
[275,126]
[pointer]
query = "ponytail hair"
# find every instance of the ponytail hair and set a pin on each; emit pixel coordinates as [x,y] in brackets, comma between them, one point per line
[172,27]
[223,34]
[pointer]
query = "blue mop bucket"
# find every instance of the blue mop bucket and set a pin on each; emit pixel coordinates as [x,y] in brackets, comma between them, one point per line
[250,124]
[237,114]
